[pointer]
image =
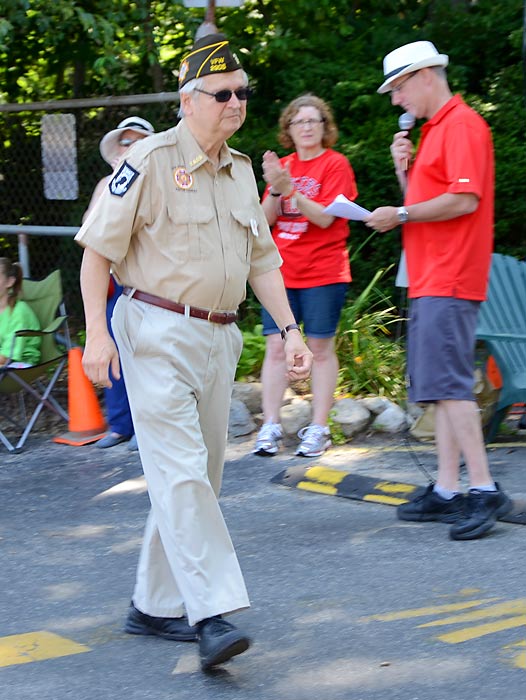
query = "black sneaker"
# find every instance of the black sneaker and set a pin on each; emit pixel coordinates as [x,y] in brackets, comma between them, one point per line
[219,641]
[504,503]
[480,514]
[175,628]
[430,506]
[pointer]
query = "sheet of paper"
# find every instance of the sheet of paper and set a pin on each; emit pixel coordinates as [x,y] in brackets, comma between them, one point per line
[343,207]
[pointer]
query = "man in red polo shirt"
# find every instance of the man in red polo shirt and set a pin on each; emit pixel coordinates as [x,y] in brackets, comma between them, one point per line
[447,222]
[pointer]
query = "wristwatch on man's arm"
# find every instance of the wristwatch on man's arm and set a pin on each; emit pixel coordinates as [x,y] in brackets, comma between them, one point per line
[403,215]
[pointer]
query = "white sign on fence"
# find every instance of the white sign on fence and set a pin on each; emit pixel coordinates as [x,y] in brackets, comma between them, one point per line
[59,156]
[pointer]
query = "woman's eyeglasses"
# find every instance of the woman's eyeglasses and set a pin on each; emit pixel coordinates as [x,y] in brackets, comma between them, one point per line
[242,94]
[306,122]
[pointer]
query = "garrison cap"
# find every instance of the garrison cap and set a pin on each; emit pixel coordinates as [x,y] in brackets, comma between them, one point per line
[210,55]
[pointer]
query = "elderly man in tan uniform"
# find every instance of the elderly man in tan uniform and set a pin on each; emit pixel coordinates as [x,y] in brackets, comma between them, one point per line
[182,228]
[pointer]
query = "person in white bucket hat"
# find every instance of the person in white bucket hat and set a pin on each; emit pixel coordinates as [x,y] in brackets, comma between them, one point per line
[447,237]
[114,144]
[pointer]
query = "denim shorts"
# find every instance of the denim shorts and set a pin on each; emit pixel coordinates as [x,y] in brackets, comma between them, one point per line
[318,308]
[441,349]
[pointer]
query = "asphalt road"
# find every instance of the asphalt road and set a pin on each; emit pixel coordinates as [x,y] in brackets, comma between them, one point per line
[347,602]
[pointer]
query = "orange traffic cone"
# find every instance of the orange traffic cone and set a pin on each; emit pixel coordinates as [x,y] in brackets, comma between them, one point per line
[86,422]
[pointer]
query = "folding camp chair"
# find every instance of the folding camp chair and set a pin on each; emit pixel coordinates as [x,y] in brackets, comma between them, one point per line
[45,298]
[502,326]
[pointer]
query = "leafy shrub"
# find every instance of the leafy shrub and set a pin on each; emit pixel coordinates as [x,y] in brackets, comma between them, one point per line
[251,360]
[371,361]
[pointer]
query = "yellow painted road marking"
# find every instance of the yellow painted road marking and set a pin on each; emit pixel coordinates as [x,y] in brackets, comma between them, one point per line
[514,657]
[477,631]
[36,646]
[510,615]
[511,607]
[430,610]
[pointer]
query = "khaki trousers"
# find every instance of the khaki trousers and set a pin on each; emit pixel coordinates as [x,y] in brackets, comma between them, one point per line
[179,373]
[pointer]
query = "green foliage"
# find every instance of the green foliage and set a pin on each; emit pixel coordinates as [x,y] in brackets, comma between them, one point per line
[371,360]
[338,437]
[251,359]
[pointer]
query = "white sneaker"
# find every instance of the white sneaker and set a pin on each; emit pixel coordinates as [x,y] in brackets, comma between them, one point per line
[268,439]
[315,439]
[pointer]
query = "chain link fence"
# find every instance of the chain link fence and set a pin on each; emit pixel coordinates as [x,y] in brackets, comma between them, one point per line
[49,165]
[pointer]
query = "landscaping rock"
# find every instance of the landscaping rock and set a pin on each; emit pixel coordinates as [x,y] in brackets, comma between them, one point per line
[295,415]
[240,421]
[391,420]
[351,416]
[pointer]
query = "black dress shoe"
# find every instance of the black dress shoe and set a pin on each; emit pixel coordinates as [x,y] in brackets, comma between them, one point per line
[219,641]
[174,628]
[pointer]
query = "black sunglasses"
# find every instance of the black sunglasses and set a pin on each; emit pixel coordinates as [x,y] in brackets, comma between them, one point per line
[226,95]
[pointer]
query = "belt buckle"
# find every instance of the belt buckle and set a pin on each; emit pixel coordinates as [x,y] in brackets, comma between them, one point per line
[209,317]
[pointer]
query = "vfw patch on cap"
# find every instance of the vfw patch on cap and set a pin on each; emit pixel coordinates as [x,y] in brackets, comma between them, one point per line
[123,179]
[183,70]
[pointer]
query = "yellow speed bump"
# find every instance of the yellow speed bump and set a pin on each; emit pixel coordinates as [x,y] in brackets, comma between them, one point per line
[336,482]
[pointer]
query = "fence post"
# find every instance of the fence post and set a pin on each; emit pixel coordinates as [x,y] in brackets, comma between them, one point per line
[23,254]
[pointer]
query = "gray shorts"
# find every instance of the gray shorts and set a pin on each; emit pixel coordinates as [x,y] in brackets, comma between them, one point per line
[441,349]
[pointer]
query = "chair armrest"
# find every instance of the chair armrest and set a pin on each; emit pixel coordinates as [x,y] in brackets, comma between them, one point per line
[510,337]
[52,328]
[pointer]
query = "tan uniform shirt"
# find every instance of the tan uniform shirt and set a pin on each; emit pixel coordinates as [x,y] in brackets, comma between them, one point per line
[173,226]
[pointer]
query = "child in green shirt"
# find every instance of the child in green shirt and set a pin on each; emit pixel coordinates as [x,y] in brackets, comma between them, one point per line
[16,315]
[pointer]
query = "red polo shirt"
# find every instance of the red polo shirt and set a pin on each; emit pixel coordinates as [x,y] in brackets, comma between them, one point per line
[452,258]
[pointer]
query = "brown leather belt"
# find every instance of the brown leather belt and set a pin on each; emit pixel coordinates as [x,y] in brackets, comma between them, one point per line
[222,317]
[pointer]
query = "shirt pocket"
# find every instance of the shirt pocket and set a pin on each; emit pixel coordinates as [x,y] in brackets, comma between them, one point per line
[244,224]
[191,228]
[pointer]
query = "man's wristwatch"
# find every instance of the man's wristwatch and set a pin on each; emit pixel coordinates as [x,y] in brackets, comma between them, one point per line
[290,327]
[403,215]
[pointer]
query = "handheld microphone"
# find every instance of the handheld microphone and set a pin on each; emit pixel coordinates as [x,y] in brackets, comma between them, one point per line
[406,122]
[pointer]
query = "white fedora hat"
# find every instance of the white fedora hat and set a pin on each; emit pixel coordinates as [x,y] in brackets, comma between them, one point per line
[110,141]
[408,59]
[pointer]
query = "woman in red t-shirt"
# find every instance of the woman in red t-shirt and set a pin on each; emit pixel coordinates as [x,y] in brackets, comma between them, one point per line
[315,267]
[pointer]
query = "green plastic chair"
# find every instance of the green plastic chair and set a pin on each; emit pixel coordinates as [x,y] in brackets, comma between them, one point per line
[45,298]
[502,327]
